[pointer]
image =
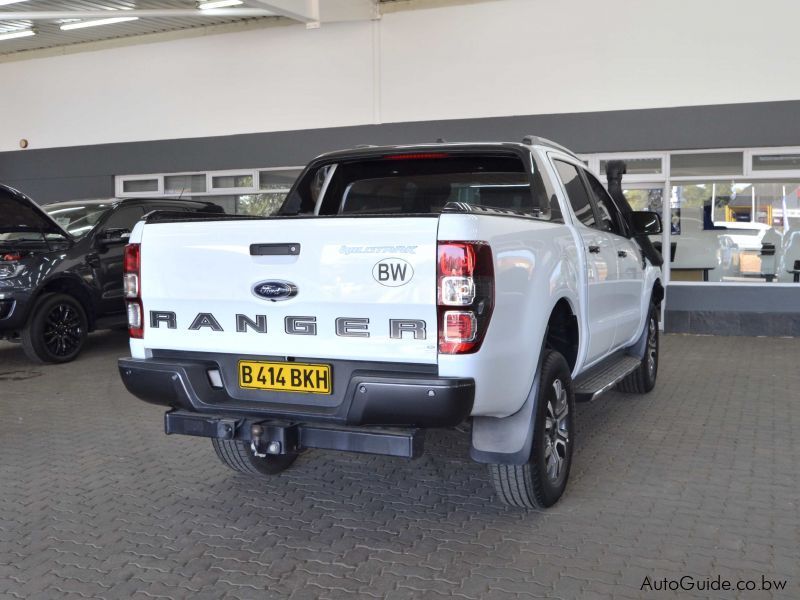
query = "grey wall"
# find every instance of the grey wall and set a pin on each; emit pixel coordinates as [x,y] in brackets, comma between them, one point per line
[55,174]
[767,310]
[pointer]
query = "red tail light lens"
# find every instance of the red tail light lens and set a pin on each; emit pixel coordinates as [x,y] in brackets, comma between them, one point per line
[460,326]
[132,258]
[133,292]
[466,281]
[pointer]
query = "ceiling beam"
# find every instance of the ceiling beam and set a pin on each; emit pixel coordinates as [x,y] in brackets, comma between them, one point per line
[49,15]
[321,11]
[348,10]
[305,11]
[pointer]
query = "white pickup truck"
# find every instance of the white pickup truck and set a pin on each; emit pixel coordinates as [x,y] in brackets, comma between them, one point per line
[398,289]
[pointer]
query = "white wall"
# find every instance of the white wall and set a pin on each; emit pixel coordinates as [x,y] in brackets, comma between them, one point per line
[505,57]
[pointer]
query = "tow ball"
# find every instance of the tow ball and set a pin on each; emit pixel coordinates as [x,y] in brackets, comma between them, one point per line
[273,438]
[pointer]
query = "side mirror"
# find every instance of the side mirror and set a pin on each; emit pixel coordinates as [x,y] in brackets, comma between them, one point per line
[113,237]
[644,222]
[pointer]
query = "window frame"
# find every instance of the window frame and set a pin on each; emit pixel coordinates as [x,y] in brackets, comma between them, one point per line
[166,194]
[277,190]
[774,151]
[252,173]
[579,167]
[593,164]
[120,180]
[671,177]
[598,218]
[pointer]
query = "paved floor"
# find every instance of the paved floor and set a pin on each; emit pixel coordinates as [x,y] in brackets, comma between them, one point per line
[700,478]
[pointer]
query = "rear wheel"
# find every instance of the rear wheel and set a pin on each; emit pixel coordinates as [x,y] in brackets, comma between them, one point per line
[541,481]
[240,457]
[643,379]
[56,330]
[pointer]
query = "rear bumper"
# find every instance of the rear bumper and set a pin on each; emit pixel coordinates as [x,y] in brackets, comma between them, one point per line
[366,394]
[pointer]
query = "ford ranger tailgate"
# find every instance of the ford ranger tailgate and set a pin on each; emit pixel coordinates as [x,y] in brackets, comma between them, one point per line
[293,287]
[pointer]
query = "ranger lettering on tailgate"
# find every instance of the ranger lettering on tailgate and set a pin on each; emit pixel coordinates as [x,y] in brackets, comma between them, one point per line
[294,325]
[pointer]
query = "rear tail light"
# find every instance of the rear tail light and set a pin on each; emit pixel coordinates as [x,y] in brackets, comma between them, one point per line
[465,295]
[133,291]
[134,316]
[457,291]
[460,326]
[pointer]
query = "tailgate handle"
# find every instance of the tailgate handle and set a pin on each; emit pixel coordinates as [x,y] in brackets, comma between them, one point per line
[290,249]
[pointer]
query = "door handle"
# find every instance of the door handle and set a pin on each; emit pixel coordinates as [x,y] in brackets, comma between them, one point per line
[622,253]
[594,249]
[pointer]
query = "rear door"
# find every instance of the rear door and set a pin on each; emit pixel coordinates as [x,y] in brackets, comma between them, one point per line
[627,293]
[351,288]
[601,262]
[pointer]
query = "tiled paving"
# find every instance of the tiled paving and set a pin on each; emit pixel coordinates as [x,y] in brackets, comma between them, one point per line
[700,478]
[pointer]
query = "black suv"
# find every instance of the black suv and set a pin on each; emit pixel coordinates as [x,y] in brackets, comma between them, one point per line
[61,268]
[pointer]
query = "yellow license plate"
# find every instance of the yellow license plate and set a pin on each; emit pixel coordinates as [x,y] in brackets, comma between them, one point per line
[285,377]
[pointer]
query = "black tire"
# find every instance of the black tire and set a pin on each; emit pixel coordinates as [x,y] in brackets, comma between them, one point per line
[239,456]
[56,329]
[643,379]
[541,481]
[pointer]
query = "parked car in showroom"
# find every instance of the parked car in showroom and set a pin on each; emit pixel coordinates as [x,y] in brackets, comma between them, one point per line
[61,268]
[400,288]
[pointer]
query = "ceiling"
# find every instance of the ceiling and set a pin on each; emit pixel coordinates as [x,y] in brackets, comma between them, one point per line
[45,18]
[48,33]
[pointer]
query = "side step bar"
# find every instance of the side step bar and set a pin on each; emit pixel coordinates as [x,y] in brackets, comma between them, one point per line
[279,437]
[601,378]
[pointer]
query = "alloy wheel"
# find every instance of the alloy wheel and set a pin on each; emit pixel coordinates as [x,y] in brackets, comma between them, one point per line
[63,330]
[652,347]
[556,432]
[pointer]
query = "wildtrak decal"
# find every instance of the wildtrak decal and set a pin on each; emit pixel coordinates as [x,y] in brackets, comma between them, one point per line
[378,249]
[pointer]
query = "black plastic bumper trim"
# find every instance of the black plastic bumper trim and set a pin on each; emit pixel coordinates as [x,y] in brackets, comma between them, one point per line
[407,400]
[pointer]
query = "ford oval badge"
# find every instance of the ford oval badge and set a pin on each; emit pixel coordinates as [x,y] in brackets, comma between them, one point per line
[275,290]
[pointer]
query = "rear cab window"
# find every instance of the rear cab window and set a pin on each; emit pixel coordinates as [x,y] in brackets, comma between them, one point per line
[423,183]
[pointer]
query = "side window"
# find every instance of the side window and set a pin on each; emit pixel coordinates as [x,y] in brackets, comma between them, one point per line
[610,217]
[124,218]
[544,192]
[576,192]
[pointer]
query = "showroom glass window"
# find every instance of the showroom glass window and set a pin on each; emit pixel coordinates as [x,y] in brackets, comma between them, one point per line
[736,231]
[730,216]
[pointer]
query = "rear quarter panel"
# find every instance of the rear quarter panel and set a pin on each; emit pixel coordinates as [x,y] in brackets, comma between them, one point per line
[536,264]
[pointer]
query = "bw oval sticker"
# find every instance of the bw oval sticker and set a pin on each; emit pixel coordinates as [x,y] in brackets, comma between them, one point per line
[393,272]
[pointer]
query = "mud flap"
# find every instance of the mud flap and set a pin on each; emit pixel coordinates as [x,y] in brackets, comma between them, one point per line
[506,440]
[639,347]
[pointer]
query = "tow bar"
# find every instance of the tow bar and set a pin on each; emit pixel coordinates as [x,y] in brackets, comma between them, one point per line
[280,437]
